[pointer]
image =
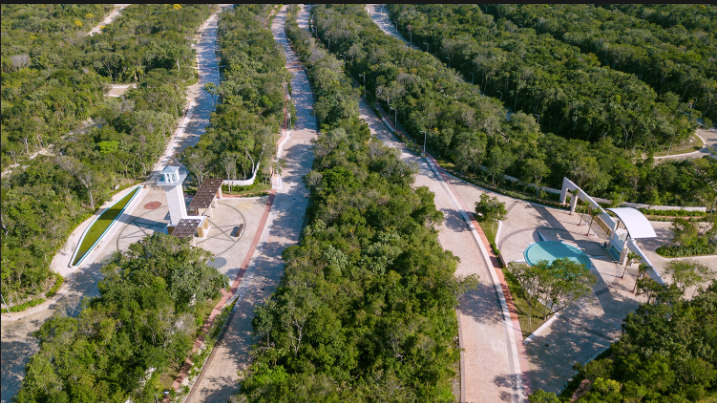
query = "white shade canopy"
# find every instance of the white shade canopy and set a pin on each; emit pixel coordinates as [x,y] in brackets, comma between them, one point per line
[635,222]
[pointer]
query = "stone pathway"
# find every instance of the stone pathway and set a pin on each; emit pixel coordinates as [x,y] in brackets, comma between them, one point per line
[82,281]
[219,378]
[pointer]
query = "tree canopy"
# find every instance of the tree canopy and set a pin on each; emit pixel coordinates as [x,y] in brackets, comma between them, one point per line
[144,320]
[474,130]
[243,131]
[365,308]
[666,354]
[47,103]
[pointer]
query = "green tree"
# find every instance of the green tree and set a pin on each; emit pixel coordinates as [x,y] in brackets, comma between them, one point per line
[490,209]
[688,273]
[213,90]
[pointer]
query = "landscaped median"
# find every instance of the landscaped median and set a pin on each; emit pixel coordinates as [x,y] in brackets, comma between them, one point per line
[100,226]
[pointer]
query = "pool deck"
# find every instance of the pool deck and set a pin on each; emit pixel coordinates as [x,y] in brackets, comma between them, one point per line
[585,329]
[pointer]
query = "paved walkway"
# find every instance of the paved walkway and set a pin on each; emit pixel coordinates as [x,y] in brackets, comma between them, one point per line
[709,138]
[18,345]
[587,328]
[219,378]
[665,236]
[491,360]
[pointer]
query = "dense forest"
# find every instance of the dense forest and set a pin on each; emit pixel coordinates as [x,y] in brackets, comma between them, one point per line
[59,88]
[153,299]
[667,353]
[365,308]
[243,131]
[570,93]
[472,130]
[671,58]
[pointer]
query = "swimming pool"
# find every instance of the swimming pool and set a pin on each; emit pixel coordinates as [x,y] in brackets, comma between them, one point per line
[552,250]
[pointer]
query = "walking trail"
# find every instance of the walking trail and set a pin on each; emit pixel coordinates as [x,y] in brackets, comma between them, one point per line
[220,375]
[493,364]
[18,345]
[109,19]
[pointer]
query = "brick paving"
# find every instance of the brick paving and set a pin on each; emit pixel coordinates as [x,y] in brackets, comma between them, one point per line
[220,376]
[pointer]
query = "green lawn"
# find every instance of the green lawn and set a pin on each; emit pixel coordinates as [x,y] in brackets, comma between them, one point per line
[101,225]
[257,187]
[527,326]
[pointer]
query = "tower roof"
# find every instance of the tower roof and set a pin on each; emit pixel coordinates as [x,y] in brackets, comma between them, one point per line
[206,193]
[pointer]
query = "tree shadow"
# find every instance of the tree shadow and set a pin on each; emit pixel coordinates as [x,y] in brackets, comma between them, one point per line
[482,305]
[510,382]
[15,355]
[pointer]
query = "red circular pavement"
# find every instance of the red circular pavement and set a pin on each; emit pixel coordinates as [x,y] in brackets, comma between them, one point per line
[152,205]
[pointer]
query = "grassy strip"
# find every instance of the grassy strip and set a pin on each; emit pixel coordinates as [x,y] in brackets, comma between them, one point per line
[101,225]
[27,304]
[527,326]
[37,301]
[256,187]
[685,147]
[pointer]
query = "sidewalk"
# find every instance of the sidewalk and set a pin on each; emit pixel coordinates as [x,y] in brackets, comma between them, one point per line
[485,322]
[220,375]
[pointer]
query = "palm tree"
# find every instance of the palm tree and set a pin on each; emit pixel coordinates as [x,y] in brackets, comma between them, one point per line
[644,267]
[631,257]
[593,213]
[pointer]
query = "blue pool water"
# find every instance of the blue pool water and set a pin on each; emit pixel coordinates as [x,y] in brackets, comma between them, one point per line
[552,250]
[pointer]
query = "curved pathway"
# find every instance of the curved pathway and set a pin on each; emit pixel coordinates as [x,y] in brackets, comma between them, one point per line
[493,366]
[18,345]
[709,138]
[219,377]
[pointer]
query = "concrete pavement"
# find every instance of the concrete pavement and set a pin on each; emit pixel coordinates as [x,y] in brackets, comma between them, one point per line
[709,138]
[83,280]
[491,364]
[219,378]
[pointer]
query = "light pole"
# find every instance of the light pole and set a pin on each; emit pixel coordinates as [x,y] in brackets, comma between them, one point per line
[8,306]
[395,119]
[501,95]
[426,43]
[424,143]
[670,147]
[364,79]
[396,24]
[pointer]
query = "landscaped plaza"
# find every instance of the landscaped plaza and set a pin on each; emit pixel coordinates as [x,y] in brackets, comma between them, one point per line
[587,328]
[359,203]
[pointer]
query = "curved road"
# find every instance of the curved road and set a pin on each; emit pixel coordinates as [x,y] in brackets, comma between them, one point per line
[219,377]
[18,345]
[709,138]
[491,365]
